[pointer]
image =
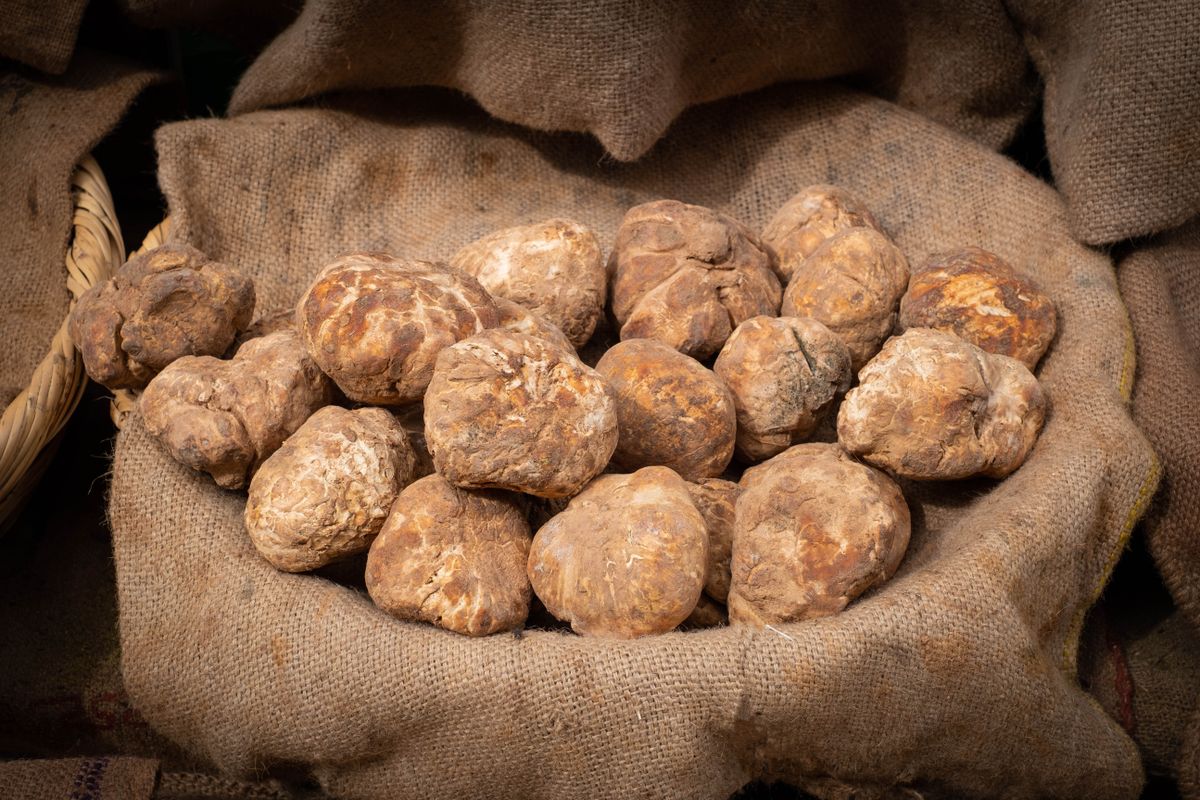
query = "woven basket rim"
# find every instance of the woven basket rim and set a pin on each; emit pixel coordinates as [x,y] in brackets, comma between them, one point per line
[38,414]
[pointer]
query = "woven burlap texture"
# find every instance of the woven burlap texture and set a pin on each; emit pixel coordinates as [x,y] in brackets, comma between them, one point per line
[40,33]
[957,677]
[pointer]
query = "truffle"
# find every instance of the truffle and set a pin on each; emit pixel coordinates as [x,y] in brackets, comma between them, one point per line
[810,217]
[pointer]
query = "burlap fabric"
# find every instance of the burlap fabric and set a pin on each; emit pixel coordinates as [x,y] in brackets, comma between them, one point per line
[957,677]
[40,33]
[46,125]
[100,778]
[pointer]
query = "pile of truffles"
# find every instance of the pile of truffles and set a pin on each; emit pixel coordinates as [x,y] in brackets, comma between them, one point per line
[737,456]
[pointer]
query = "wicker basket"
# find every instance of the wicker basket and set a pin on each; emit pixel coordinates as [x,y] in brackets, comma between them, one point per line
[33,420]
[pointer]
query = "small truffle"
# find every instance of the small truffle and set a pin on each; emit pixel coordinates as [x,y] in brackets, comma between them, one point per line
[452,557]
[518,319]
[814,530]
[553,268]
[160,305]
[375,323]
[851,284]
[807,220]
[325,494]
[672,411]
[687,276]
[708,613]
[977,296]
[784,374]
[716,501]
[226,417]
[932,406]
[510,411]
[627,558]
[278,321]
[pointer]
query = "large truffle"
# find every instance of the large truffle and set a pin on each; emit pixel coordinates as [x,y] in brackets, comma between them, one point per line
[810,217]
[977,296]
[627,558]
[375,323]
[672,411]
[814,530]
[851,284]
[510,411]
[932,406]
[784,374]
[687,276]
[226,417]
[453,557]
[325,494]
[553,268]
[163,304]
[716,500]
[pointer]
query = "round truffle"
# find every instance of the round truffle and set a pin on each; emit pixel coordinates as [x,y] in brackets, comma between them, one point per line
[687,276]
[226,417]
[375,323]
[325,494]
[814,530]
[716,501]
[452,557]
[518,319]
[810,217]
[553,268]
[784,374]
[851,284]
[932,406]
[977,296]
[510,411]
[627,558]
[166,303]
[672,411]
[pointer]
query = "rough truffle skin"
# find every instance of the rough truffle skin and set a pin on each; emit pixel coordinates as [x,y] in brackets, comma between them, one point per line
[510,411]
[784,374]
[716,500]
[518,319]
[226,417]
[325,494]
[932,406]
[672,411]
[627,558]
[978,296]
[553,268]
[810,217]
[375,323]
[688,276]
[851,284]
[452,557]
[814,530]
[163,304]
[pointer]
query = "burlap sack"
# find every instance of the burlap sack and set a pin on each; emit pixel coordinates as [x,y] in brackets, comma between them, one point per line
[46,125]
[98,778]
[957,677]
[623,70]
[40,33]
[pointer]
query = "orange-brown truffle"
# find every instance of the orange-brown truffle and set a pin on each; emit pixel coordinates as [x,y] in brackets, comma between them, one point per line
[810,217]
[814,530]
[452,557]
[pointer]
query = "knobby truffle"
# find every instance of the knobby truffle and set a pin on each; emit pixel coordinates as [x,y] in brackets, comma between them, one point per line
[687,276]
[672,411]
[932,406]
[452,557]
[510,411]
[977,296]
[851,284]
[627,558]
[163,304]
[375,323]
[810,217]
[325,494]
[814,530]
[784,374]
[553,268]
[226,417]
